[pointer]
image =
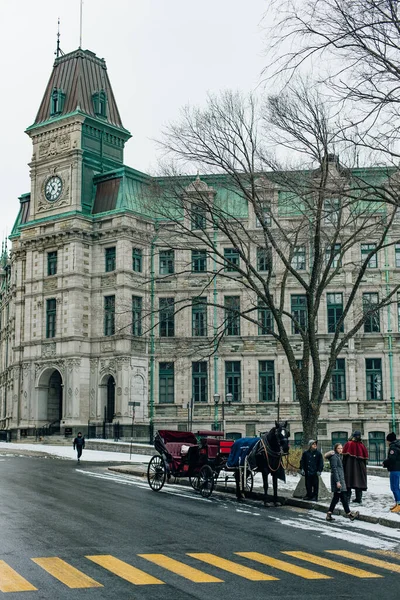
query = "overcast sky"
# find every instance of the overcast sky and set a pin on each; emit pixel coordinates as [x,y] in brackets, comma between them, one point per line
[160,55]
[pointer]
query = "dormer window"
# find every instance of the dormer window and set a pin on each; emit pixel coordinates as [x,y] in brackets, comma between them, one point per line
[56,102]
[100,104]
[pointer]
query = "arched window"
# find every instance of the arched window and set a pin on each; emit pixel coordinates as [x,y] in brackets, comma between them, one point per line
[339,437]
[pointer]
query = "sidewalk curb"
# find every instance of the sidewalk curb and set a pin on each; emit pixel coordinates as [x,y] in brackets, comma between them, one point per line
[140,470]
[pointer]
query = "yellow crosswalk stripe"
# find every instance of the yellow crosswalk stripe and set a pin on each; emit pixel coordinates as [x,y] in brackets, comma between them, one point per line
[124,570]
[331,564]
[180,568]
[232,567]
[67,574]
[283,566]
[368,560]
[390,553]
[11,581]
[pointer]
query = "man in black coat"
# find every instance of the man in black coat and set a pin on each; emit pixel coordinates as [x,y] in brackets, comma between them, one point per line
[311,465]
[79,444]
[392,464]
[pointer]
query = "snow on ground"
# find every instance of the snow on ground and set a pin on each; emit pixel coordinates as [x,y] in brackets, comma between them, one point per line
[67,452]
[377,500]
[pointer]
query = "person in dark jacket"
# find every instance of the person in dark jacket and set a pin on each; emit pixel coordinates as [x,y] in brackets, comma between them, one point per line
[355,456]
[392,464]
[338,484]
[79,444]
[311,465]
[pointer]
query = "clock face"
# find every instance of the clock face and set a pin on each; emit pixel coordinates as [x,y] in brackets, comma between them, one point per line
[53,188]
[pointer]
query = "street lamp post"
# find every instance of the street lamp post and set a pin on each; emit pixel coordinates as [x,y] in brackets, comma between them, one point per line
[229,398]
[132,404]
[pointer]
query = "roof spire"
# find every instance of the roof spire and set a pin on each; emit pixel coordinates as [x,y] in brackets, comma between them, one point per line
[58,51]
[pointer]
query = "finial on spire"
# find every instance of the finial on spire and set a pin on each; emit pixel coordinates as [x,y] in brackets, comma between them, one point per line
[58,51]
[80,24]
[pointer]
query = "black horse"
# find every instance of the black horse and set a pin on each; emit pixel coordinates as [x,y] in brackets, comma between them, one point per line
[266,457]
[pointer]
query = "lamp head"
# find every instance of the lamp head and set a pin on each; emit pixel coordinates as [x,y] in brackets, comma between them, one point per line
[229,398]
[216,398]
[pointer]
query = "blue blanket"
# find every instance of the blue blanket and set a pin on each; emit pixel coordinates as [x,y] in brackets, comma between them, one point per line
[240,450]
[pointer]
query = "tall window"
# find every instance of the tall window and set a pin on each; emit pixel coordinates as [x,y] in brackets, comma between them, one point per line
[137,315]
[299,258]
[233,380]
[231,256]
[365,250]
[232,315]
[331,211]
[110,256]
[299,312]
[338,382]
[398,311]
[373,375]
[199,381]
[397,255]
[166,382]
[51,315]
[167,317]
[199,261]
[266,215]
[109,315]
[372,322]
[199,317]
[137,260]
[266,381]
[334,250]
[334,303]
[166,262]
[263,259]
[52,263]
[198,217]
[265,320]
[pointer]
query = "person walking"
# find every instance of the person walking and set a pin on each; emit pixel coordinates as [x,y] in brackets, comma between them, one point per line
[355,456]
[338,484]
[312,465]
[79,444]
[392,464]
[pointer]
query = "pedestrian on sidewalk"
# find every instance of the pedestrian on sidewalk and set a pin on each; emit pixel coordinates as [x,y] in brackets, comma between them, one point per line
[338,484]
[392,464]
[311,465]
[355,456]
[79,444]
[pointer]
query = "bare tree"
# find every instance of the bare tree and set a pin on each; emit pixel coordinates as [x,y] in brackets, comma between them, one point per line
[288,238]
[354,48]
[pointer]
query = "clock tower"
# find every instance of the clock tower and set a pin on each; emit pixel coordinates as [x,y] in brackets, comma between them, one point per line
[77,134]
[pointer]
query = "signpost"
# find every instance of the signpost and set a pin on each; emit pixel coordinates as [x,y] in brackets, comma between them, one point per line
[132,404]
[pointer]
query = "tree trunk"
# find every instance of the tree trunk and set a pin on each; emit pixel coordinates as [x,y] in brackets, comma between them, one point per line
[310,417]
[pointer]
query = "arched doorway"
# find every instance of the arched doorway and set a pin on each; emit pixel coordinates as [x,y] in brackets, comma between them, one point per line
[110,405]
[50,397]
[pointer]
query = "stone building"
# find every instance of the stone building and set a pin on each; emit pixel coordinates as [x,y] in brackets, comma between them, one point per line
[88,337]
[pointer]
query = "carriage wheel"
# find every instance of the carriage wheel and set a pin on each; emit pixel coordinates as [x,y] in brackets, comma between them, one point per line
[156,473]
[206,481]
[194,482]
[249,481]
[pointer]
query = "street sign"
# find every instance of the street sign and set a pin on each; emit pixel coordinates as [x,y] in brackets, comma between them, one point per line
[133,403]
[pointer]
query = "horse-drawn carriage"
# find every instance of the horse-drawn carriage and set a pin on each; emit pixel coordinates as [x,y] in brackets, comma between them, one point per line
[204,458]
[182,454]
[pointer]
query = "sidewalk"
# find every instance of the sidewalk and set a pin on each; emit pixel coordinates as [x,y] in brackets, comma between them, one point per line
[375,508]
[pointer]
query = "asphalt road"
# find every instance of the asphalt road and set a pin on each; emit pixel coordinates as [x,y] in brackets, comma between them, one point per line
[68,529]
